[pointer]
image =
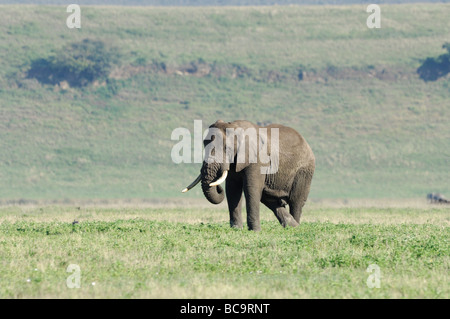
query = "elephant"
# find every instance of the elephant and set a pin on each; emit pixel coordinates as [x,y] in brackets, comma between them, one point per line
[282,181]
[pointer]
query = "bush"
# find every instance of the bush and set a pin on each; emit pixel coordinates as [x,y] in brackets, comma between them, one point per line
[434,68]
[78,63]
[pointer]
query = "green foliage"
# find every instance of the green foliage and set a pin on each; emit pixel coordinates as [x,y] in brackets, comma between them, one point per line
[435,68]
[79,64]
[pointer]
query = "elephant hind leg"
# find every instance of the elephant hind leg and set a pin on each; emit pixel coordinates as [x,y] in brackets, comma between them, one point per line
[278,206]
[299,194]
[295,211]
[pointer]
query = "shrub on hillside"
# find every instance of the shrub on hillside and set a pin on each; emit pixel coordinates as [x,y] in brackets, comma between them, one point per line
[434,68]
[79,64]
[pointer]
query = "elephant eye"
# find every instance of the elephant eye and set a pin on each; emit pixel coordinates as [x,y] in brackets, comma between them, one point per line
[206,142]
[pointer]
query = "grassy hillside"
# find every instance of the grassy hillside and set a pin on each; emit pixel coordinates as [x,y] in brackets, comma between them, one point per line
[212,2]
[377,130]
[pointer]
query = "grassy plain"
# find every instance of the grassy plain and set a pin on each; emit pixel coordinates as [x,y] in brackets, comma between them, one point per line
[149,252]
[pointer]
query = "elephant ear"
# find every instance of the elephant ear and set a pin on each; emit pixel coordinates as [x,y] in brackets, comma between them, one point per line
[249,145]
[269,152]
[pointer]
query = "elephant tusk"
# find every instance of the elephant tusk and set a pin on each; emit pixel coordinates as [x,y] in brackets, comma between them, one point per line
[220,180]
[197,180]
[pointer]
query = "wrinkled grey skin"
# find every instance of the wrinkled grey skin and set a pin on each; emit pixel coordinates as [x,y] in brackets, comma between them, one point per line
[290,184]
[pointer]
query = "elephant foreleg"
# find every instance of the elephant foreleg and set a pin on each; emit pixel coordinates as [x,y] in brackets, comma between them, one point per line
[252,201]
[233,189]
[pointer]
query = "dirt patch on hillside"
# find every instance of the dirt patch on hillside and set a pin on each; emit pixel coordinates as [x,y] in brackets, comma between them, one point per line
[382,73]
[234,71]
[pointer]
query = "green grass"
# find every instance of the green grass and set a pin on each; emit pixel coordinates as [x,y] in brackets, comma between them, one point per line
[192,253]
[374,137]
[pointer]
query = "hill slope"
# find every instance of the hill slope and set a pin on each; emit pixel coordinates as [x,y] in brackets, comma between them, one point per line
[377,130]
[213,2]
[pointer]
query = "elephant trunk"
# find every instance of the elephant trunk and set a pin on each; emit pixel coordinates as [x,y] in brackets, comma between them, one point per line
[214,194]
[209,172]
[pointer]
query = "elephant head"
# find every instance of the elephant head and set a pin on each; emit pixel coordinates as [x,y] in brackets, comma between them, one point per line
[221,153]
